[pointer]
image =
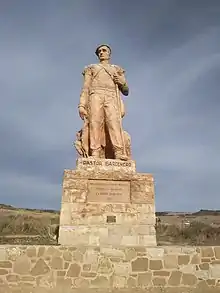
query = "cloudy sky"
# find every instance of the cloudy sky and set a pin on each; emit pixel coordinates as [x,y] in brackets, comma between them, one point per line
[171,52]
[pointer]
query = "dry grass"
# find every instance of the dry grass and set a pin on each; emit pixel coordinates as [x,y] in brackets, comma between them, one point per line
[22,226]
[27,227]
[197,233]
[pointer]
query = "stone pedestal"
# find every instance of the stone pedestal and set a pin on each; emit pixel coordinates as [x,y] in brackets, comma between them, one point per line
[106,203]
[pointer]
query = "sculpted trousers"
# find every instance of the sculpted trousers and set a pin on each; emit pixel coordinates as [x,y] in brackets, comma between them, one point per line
[104,111]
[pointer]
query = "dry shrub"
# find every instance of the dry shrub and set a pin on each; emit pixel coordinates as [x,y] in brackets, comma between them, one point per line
[197,233]
[23,225]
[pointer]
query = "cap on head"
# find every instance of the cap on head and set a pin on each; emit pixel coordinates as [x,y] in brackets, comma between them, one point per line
[102,45]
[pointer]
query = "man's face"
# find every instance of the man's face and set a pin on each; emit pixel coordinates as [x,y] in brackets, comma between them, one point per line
[103,53]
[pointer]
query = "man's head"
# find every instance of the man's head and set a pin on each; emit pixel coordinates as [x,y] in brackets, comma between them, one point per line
[103,52]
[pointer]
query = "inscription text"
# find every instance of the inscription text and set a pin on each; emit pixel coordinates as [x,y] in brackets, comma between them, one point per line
[108,191]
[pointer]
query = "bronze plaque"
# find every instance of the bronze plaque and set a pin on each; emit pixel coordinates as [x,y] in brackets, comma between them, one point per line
[108,191]
[111,219]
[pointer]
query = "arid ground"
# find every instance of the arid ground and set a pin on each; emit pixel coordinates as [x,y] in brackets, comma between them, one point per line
[29,226]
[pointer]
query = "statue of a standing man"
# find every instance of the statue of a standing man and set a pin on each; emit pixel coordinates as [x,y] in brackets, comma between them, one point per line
[101,105]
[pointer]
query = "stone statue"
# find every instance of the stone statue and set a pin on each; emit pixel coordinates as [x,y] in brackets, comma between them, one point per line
[102,109]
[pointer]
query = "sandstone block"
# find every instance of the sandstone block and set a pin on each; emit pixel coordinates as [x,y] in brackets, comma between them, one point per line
[74,270]
[88,275]
[100,282]
[56,263]
[81,283]
[215,262]
[74,196]
[130,254]
[5,264]
[12,253]
[188,269]
[128,240]
[206,259]
[31,252]
[87,267]
[155,252]
[204,266]
[142,197]
[147,240]
[175,278]
[161,273]
[3,272]
[215,271]
[140,265]
[119,282]
[171,261]
[144,279]
[189,280]
[211,282]
[202,286]
[53,251]
[217,252]
[61,273]
[183,259]
[91,256]
[109,252]
[41,251]
[207,252]
[67,256]
[156,264]
[131,282]
[3,254]
[195,259]
[105,266]
[143,229]
[22,265]
[159,281]
[202,275]
[75,184]
[12,278]
[27,278]
[63,282]
[174,250]
[122,269]
[188,250]
[40,268]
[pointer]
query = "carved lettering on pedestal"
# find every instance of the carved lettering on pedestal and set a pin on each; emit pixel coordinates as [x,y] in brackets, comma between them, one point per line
[108,191]
[106,163]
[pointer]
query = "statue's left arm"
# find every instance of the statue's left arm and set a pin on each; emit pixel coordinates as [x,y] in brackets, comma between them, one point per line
[123,86]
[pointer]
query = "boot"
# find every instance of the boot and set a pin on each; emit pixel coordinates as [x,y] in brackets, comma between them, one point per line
[96,153]
[119,155]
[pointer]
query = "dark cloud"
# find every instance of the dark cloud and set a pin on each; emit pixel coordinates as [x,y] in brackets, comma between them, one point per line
[156,27]
[170,50]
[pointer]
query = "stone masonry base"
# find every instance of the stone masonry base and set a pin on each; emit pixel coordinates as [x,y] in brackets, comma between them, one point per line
[106,203]
[63,269]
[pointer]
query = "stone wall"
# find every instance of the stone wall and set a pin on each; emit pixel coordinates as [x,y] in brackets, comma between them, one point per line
[44,269]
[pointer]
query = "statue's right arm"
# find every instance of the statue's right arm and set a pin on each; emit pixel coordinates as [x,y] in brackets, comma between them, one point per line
[87,75]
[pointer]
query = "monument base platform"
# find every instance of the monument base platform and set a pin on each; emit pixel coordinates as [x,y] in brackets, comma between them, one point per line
[106,203]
